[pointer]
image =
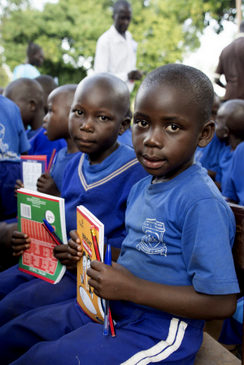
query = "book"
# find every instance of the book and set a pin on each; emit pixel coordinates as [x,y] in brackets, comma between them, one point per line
[38,260]
[91,233]
[32,167]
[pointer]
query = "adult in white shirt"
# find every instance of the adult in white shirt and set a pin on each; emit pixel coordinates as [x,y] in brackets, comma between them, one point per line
[116,49]
[34,59]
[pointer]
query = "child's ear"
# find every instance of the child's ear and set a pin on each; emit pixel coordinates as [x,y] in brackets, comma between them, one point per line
[125,124]
[207,134]
[32,105]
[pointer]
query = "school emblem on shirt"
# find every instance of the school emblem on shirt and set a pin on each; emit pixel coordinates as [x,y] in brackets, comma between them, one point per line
[152,242]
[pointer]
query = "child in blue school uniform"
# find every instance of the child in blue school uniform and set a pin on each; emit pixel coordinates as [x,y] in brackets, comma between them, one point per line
[55,123]
[171,274]
[233,185]
[28,94]
[100,179]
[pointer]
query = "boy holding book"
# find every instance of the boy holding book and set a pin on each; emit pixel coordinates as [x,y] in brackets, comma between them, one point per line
[100,179]
[175,268]
[28,94]
[56,125]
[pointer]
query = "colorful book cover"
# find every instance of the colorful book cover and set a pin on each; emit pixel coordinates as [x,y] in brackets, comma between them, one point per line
[38,260]
[32,167]
[91,233]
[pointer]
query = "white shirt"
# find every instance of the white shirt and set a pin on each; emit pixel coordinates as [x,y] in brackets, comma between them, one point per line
[116,54]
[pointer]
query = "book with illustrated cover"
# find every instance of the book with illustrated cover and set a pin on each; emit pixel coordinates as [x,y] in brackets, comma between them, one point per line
[32,167]
[33,208]
[91,233]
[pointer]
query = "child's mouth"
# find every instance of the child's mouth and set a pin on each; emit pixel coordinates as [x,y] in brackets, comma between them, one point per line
[152,163]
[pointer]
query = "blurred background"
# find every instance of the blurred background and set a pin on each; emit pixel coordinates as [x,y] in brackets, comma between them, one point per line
[192,31]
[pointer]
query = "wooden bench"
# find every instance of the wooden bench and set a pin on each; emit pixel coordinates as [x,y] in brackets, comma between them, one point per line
[211,351]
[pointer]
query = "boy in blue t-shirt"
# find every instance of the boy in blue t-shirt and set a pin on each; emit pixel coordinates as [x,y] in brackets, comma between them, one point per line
[28,94]
[175,268]
[234,187]
[56,125]
[100,179]
[233,184]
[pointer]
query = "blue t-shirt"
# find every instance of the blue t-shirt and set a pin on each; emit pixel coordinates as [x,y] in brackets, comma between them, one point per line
[179,232]
[224,165]
[216,156]
[234,186]
[13,140]
[102,188]
[126,137]
[25,70]
[40,144]
[59,165]
[209,156]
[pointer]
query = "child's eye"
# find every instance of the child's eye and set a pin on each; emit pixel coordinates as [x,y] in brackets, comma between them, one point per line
[141,123]
[78,112]
[172,128]
[103,118]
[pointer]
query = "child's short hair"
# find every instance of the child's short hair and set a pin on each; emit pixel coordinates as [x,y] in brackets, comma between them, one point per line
[118,87]
[190,80]
[235,123]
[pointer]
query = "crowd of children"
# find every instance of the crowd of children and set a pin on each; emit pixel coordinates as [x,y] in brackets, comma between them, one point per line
[163,203]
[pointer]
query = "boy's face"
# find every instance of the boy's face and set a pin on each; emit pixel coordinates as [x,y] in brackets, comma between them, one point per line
[94,121]
[122,19]
[166,130]
[56,120]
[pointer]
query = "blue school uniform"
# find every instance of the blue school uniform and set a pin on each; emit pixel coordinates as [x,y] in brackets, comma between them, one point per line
[224,166]
[209,156]
[165,244]
[103,188]
[126,137]
[234,186]
[13,142]
[40,144]
[216,156]
[60,162]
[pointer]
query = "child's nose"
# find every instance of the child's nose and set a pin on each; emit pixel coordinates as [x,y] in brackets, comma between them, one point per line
[153,138]
[87,125]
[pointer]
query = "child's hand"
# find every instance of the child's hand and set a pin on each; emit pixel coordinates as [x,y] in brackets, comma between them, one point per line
[110,282]
[71,253]
[45,184]
[18,184]
[19,243]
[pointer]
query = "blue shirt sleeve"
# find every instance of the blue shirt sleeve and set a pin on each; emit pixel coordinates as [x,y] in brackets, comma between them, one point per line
[207,240]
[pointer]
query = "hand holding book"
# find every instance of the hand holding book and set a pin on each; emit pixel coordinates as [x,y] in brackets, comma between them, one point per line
[71,253]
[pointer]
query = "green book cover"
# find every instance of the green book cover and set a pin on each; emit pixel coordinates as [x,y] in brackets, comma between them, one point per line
[38,260]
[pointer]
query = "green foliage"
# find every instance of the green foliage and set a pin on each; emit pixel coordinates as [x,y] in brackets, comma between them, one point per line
[4,77]
[68,31]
